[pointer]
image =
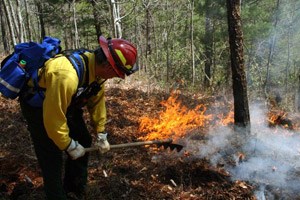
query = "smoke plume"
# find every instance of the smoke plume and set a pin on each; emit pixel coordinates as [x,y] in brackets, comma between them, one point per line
[272,156]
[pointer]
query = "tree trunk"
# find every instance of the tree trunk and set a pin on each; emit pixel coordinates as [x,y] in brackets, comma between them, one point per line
[20,22]
[9,22]
[271,50]
[148,49]
[3,30]
[75,25]
[208,43]
[148,38]
[14,20]
[241,107]
[192,43]
[116,19]
[96,19]
[28,26]
[298,94]
[41,19]
[287,65]
[167,45]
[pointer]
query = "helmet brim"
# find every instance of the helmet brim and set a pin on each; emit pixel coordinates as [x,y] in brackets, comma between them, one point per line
[104,45]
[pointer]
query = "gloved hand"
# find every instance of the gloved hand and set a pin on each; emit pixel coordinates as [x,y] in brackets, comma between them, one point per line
[75,150]
[102,143]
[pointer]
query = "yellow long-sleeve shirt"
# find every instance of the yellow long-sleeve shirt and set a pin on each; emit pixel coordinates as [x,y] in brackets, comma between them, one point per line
[60,80]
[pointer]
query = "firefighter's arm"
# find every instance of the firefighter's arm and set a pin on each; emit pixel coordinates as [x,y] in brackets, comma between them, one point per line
[97,109]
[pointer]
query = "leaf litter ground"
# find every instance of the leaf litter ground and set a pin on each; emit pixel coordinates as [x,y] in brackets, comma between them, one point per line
[130,173]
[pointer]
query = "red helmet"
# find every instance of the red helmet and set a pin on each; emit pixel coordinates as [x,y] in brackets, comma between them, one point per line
[121,55]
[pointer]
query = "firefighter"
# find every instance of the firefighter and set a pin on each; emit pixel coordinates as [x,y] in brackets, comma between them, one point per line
[58,126]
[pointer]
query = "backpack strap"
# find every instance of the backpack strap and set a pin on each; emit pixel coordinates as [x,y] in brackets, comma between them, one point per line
[75,57]
[34,96]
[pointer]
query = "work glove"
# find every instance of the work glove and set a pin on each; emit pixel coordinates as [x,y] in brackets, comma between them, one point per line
[75,150]
[102,143]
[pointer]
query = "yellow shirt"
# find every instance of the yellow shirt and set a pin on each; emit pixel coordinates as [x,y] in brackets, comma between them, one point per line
[61,82]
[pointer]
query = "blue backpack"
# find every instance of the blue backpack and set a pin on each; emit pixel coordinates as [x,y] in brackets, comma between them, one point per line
[24,62]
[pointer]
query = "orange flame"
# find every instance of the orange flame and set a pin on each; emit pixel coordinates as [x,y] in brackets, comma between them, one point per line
[174,122]
[272,119]
[279,119]
[229,119]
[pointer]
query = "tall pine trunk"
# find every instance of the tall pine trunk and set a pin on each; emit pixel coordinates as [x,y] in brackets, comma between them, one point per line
[239,84]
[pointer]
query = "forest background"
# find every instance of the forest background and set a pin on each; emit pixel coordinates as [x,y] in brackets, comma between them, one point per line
[184,44]
[180,43]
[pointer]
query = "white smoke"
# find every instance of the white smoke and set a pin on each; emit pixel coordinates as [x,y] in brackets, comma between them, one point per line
[272,157]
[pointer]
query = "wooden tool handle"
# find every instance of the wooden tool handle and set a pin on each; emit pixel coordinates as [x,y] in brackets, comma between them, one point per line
[131,144]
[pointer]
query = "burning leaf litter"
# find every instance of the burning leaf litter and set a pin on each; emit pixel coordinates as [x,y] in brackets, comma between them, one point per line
[174,122]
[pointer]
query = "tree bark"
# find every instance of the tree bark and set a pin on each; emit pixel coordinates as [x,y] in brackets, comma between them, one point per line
[298,93]
[9,22]
[167,45]
[116,19]
[96,19]
[41,19]
[148,30]
[192,5]
[271,50]
[14,20]
[208,43]
[20,23]
[75,25]
[241,107]
[28,23]
[3,30]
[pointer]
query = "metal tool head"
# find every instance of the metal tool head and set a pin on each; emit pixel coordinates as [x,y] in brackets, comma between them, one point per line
[171,145]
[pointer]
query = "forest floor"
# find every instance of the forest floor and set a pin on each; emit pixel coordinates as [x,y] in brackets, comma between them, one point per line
[139,172]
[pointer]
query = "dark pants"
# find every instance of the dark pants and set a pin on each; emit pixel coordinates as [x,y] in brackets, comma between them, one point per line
[50,157]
